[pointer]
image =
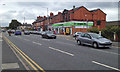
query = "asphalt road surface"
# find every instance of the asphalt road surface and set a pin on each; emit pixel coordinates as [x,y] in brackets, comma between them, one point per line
[62,54]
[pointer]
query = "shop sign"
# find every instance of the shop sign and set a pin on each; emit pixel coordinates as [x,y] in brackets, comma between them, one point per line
[67,30]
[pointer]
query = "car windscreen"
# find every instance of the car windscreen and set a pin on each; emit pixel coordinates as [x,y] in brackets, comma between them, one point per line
[49,33]
[96,36]
[79,33]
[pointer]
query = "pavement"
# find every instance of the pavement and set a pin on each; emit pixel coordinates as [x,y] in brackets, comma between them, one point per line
[70,37]
[9,59]
[64,54]
[0,51]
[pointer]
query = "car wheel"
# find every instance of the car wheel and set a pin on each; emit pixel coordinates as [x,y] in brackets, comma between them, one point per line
[95,45]
[47,37]
[79,42]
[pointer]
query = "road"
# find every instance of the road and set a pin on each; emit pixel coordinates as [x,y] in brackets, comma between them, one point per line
[62,54]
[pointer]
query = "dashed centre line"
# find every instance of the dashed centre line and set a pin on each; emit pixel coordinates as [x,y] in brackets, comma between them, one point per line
[26,39]
[46,39]
[37,43]
[62,51]
[106,52]
[106,65]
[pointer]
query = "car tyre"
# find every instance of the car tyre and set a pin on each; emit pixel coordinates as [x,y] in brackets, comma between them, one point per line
[79,42]
[95,45]
[54,37]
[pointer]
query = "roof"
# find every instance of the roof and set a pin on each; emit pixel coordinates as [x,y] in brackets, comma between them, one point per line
[26,25]
[95,10]
[114,23]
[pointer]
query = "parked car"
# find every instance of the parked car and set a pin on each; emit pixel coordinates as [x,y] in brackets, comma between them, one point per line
[26,32]
[94,40]
[42,32]
[13,31]
[76,34]
[38,32]
[18,32]
[3,30]
[48,34]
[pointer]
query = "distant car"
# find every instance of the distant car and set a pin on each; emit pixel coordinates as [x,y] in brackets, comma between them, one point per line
[18,32]
[38,32]
[13,31]
[26,32]
[94,40]
[48,35]
[76,34]
[3,30]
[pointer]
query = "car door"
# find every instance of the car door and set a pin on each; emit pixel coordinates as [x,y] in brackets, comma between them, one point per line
[82,38]
[87,39]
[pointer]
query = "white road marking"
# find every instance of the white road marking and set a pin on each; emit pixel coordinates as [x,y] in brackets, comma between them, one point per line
[106,51]
[61,51]
[26,39]
[37,43]
[10,66]
[46,39]
[1,40]
[105,65]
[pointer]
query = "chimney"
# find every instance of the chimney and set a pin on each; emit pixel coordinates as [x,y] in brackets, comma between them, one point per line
[59,13]
[44,16]
[38,17]
[74,7]
[51,14]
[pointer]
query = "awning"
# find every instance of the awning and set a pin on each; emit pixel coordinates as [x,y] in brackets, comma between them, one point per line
[80,23]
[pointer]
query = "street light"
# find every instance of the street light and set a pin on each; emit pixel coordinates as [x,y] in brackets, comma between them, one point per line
[47,17]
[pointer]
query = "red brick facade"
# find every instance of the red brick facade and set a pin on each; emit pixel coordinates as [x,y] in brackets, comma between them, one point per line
[75,14]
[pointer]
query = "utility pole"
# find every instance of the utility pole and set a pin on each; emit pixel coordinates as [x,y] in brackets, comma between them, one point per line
[47,19]
[24,19]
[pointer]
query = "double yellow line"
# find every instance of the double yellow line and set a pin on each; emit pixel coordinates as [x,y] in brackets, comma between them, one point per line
[34,65]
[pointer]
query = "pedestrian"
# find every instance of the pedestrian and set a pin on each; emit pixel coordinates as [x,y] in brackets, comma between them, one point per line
[54,32]
[9,33]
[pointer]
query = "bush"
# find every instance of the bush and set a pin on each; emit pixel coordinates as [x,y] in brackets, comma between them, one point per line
[108,32]
[93,30]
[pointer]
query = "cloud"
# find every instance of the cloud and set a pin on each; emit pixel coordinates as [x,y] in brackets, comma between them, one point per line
[30,10]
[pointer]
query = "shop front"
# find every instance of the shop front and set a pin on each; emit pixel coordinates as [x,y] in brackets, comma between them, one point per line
[71,27]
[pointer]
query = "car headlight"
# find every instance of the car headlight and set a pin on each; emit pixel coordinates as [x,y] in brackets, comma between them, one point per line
[101,42]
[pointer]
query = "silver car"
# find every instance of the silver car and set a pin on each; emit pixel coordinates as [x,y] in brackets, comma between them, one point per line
[94,40]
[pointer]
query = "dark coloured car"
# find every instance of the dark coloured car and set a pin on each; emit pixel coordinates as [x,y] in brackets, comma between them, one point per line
[48,35]
[94,40]
[18,32]
[38,32]
[26,32]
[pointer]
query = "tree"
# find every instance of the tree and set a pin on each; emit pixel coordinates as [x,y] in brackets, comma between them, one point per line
[14,24]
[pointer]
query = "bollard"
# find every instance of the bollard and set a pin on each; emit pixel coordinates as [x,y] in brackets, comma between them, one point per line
[114,36]
[99,32]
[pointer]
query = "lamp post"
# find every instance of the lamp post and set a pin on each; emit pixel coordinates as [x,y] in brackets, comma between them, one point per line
[47,17]
[87,24]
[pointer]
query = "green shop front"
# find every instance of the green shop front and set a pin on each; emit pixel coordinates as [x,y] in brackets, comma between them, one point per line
[71,27]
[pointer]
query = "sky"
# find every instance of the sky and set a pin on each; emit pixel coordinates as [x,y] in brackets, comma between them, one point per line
[29,10]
